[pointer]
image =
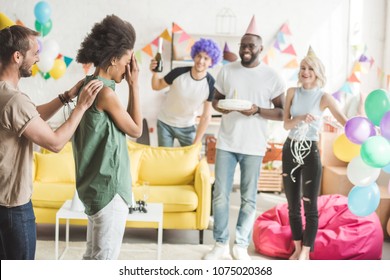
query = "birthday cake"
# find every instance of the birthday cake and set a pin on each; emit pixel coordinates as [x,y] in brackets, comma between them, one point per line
[234,104]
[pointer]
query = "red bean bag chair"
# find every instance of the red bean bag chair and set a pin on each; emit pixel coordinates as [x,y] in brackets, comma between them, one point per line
[341,234]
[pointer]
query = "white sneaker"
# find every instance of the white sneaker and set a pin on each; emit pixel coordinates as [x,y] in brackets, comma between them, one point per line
[240,253]
[219,252]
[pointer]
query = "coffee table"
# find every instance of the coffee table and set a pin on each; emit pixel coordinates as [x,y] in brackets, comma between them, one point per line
[154,214]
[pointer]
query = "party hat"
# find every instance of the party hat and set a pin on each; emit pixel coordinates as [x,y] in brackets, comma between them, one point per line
[310,52]
[252,28]
[226,48]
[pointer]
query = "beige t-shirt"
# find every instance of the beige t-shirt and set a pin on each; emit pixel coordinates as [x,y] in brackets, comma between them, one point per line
[16,112]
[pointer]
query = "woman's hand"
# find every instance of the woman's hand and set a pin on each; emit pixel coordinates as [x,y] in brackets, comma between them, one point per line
[132,71]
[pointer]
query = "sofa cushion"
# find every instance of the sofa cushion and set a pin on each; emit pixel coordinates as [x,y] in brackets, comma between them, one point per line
[135,158]
[168,166]
[181,198]
[55,168]
[52,195]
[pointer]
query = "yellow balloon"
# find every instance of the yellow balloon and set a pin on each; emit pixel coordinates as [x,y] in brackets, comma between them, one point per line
[34,70]
[58,69]
[344,149]
[5,21]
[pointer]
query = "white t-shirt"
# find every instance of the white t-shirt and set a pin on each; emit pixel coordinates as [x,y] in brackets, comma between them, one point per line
[247,134]
[185,97]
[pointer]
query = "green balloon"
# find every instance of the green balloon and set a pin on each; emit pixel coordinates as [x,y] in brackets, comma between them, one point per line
[375,151]
[376,105]
[45,28]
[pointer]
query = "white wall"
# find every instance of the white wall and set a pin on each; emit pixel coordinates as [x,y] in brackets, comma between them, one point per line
[322,24]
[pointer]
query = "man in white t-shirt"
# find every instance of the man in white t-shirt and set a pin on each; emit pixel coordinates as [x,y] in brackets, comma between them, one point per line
[190,88]
[242,139]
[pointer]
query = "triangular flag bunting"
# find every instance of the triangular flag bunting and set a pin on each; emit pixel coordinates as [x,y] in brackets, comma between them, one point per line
[148,50]
[280,37]
[388,81]
[271,53]
[19,22]
[265,59]
[191,42]
[346,88]
[337,95]
[176,28]
[357,67]
[138,56]
[166,36]
[67,60]
[379,72]
[292,64]
[276,45]
[353,79]
[226,48]
[184,37]
[155,42]
[371,61]
[285,29]
[363,58]
[289,50]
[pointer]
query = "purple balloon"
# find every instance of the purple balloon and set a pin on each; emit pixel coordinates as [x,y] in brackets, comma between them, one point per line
[385,126]
[359,129]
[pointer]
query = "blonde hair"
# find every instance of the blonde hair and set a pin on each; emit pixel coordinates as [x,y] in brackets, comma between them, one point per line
[318,68]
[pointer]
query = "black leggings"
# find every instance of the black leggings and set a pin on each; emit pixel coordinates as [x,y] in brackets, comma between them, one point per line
[307,180]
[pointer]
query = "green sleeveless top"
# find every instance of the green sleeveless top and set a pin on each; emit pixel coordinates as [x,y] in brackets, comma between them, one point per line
[101,158]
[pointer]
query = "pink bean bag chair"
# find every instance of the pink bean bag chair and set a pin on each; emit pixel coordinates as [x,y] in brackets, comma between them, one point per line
[341,235]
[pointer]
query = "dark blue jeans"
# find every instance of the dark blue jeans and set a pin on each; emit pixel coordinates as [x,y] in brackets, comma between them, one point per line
[17,232]
[307,186]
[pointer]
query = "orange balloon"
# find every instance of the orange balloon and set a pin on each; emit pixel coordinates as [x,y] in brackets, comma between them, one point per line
[344,149]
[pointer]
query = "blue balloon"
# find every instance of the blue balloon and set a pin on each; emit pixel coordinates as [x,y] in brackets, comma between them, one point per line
[362,201]
[386,168]
[42,12]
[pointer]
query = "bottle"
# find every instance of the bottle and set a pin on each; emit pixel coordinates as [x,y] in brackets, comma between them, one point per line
[158,57]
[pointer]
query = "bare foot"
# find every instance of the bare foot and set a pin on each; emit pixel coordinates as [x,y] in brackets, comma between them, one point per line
[305,253]
[295,255]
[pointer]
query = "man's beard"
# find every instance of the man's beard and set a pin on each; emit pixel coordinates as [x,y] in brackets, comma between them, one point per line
[254,58]
[25,70]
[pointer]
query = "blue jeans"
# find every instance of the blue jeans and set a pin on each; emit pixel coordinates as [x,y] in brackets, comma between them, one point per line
[17,232]
[225,166]
[167,134]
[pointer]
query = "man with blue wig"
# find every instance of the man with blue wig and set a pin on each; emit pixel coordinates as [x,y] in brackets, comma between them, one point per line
[190,87]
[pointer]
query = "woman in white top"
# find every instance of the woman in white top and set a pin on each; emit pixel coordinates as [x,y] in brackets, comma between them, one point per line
[302,168]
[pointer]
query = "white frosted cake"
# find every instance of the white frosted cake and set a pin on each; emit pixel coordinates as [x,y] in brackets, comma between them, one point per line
[234,104]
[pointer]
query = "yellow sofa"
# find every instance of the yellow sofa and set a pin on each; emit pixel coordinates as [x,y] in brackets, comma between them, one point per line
[178,178]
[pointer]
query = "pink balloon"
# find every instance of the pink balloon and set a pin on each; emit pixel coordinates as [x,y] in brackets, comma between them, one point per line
[359,129]
[385,125]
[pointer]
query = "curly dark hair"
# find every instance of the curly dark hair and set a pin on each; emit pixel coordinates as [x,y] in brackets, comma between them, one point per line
[108,39]
[208,46]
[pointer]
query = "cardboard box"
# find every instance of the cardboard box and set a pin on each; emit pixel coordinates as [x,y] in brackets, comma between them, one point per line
[383,210]
[326,150]
[335,180]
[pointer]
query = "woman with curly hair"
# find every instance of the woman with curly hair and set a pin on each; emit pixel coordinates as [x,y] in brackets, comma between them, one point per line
[100,148]
[190,87]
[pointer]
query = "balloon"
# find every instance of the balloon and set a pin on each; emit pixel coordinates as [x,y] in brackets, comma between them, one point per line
[375,151]
[385,126]
[58,69]
[45,63]
[45,28]
[34,70]
[386,168]
[362,201]
[358,129]
[42,12]
[360,174]
[51,48]
[376,105]
[344,149]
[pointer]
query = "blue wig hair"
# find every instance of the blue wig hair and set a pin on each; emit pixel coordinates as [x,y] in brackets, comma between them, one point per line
[208,46]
